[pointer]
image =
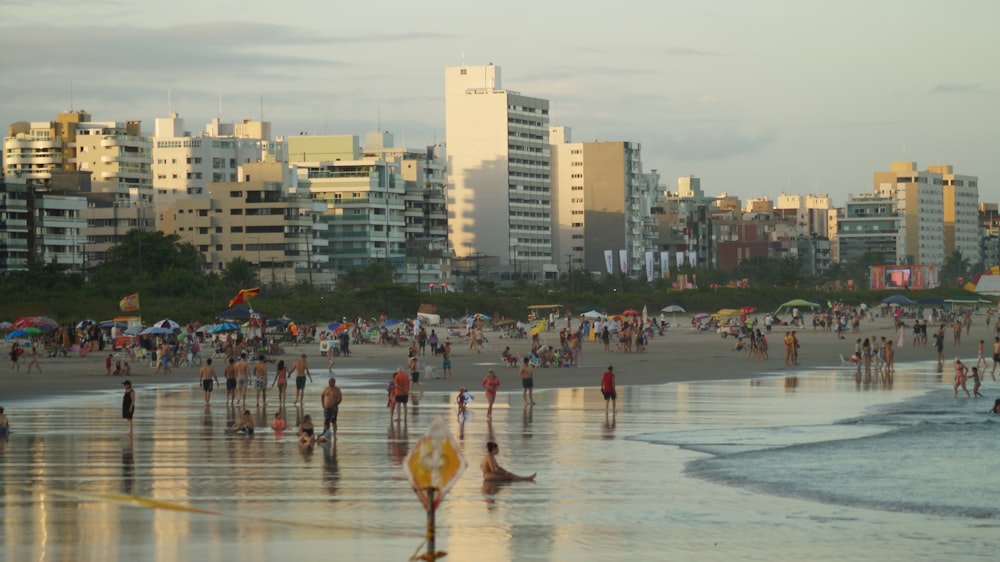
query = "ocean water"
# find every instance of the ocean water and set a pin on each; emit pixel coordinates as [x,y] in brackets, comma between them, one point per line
[813,466]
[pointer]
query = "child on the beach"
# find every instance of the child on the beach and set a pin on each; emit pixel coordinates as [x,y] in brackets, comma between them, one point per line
[463,399]
[279,422]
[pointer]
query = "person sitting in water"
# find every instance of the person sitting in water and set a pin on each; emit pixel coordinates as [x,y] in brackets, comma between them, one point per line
[493,472]
[279,422]
[307,432]
[245,425]
[995,410]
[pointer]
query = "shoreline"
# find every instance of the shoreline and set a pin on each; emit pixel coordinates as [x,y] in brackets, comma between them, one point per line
[680,355]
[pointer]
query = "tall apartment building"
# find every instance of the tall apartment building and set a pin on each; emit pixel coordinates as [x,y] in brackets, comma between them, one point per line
[961,213]
[255,217]
[601,201]
[810,212]
[363,200]
[182,164]
[428,255]
[921,202]
[499,200]
[42,222]
[114,154]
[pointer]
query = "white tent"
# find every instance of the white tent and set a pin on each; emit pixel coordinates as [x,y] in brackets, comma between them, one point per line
[429,319]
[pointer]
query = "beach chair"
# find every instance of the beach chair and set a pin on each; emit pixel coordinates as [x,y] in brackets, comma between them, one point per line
[430,372]
[844,361]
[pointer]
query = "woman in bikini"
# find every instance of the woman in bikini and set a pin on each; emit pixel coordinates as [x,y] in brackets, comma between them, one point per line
[281,379]
[490,384]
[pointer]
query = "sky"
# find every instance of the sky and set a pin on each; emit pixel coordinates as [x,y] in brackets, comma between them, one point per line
[755,98]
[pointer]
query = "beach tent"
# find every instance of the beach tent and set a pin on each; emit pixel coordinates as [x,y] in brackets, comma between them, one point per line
[898,299]
[798,303]
[592,314]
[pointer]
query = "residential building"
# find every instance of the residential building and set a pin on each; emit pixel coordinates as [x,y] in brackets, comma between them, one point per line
[601,201]
[870,224]
[499,198]
[919,201]
[257,218]
[39,222]
[810,213]
[363,200]
[183,164]
[961,213]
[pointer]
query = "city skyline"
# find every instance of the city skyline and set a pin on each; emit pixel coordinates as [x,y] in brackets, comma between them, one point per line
[754,99]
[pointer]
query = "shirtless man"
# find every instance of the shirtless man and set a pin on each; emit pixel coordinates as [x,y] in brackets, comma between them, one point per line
[260,379]
[331,399]
[414,366]
[229,373]
[242,379]
[401,393]
[996,357]
[527,381]
[208,379]
[493,472]
[301,370]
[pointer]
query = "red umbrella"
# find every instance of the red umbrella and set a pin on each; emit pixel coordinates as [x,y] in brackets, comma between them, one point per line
[631,312]
[343,327]
[748,309]
[43,323]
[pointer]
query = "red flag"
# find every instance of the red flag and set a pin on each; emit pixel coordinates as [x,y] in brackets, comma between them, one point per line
[243,296]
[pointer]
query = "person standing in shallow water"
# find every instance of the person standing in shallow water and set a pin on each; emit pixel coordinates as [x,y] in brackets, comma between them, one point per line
[128,404]
[960,374]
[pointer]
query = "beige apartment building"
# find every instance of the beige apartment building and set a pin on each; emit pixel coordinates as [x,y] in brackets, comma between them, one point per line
[256,218]
[499,199]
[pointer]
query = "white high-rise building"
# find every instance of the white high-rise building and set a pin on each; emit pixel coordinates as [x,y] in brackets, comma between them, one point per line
[499,200]
[184,164]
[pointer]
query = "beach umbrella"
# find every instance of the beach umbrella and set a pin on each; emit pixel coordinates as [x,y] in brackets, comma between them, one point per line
[167,323]
[673,308]
[748,309]
[481,316]
[156,331]
[592,314]
[205,328]
[588,308]
[390,322]
[342,327]
[43,323]
[84,323]
[630,312]
[133,331]
[537,328]
[224,327]
[17,334]
[333,325]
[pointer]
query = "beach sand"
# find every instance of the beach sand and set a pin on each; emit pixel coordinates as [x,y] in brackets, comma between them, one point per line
[682,354]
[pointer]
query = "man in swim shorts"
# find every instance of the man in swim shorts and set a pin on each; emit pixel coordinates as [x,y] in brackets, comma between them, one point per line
[608,389]
[208,379]
[229,373]
[401,392]
[331,399]
[527,381]
[301,369]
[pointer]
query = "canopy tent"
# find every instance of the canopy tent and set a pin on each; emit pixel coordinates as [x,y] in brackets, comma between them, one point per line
[799,303]
[588,308]
[898,299]
[592,314]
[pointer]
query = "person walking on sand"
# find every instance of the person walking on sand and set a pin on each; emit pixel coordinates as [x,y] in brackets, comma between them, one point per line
[260,378]
[608,390]
[996,356]
[446,361]
[33,360]
[976,382]
[981,358]
[493,472]
[208,379]
[301,370]
[128,404]
[527,374]
[229,373]
[961,371]
[242,379]
[281,379]
[401,393]
[331,399]
[15,353]
[789,345]
[490,384]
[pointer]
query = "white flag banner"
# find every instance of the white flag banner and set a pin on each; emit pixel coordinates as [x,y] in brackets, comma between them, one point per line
[664,264]
[609,261]
[649,267]
[680,260]
[693,259]
[623,260]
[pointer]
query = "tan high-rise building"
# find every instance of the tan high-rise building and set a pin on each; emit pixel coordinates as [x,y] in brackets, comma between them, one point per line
[961,213]
[499,200]
[601,201]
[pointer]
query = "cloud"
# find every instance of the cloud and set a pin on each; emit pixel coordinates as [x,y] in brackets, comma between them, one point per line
[687,52]
[958,89]
[714,142]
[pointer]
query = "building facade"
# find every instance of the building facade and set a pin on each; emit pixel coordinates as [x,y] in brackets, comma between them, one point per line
[499,199]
